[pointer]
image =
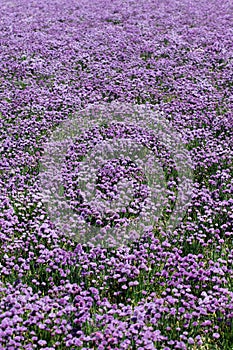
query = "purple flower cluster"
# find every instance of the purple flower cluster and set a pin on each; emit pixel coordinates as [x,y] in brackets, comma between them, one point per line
[162,291]
[112,171]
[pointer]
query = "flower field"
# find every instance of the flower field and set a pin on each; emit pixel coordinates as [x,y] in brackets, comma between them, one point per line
[169,285]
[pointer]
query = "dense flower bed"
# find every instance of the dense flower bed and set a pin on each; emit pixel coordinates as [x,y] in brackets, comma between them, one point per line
[158,292]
